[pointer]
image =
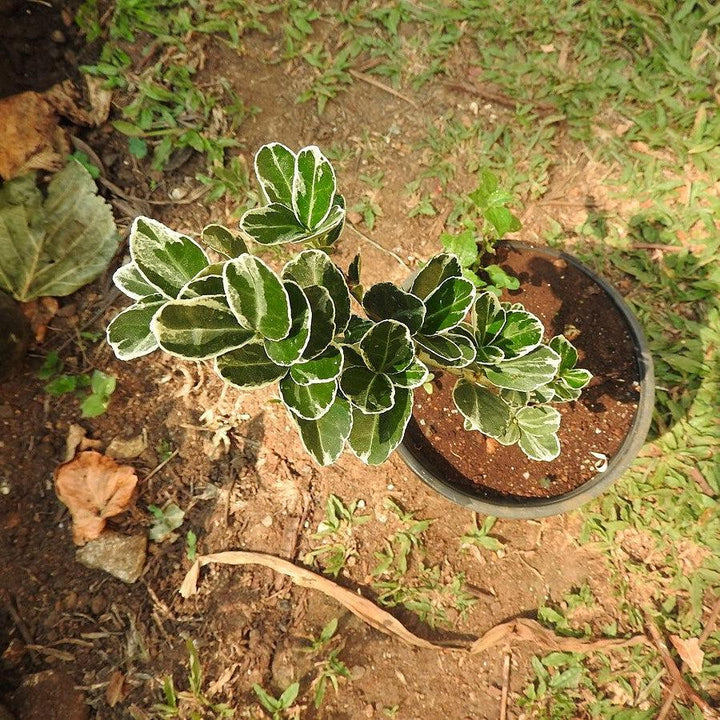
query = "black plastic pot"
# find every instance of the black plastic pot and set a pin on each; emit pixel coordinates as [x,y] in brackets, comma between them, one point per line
[535,507]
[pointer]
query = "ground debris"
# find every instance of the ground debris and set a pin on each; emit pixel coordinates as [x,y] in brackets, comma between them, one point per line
[122,556]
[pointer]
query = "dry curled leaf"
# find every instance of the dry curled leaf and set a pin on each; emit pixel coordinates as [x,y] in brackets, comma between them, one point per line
[690,652]
[94,487]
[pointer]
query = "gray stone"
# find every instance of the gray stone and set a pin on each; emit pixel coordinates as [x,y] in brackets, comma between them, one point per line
[123,556]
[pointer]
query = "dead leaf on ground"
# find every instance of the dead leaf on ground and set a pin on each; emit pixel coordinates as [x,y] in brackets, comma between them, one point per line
[115,691]
[77,440]
[94,487]
[39,313]
[690,652]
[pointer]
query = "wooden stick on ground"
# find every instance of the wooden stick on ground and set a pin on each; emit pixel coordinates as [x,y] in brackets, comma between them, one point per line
[376,83]
[505,686]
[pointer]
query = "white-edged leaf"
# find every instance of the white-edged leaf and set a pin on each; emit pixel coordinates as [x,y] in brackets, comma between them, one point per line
[369,391]
[387,347]
[322,322]
[206,285]
[53,245]
[313,189]
[220,239]
[440,348]
[129,334]
[483,409]
[257,297]
[133,283]
[447,305]
[290,349]
[374,437]
[525,373]
[488,318]
[326,366]
[275,168]
[521,333]
[538,432]
[166,258]
[248,367]
[434,273]
[324,439]
[386,301]
[272,225]
[308,402]
[415,375]
[198,328]
[314,267]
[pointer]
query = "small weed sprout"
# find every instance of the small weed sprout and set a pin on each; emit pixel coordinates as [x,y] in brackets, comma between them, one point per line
[276,707]
[346,380]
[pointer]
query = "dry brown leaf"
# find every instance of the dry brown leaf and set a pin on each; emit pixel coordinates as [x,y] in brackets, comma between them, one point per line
[94,487]
[520,629]
[115,691]
[39,313]
[689,651]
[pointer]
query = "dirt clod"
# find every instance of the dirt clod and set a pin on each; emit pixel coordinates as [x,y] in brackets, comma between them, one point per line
[49,695]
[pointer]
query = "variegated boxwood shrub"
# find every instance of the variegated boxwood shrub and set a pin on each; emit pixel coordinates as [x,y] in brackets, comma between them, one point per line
[346,359]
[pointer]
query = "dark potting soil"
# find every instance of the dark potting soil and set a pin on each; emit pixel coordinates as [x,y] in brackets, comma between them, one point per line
[567,301]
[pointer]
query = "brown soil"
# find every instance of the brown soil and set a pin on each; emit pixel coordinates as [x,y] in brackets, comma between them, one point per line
[567,301]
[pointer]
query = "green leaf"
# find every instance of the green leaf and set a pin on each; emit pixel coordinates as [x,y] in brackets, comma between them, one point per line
[326,366]
[309,402]
[129,332]
[272,225]
[289,695]
[525,373]
[500,279]
[440,348]
[567,352]
[248,367]
[386,301]
[538,432]
[415,375]
[466,344]
[502,220]
[275,168]
[138,147]
[94,405]
[102,384]
[447,305]
[53,246]
[322,323]
[313,189]
[464,246]
[483,410]
[387,347]
[204,286]
[165,521]
[324,439]
[356,329]
[61,385]
[167,259]
[314,267]
[198,328]
[132,282]
[521,333]
[374,437]
[438,269]
[257,297]
[369,391]
[289,350]
[221,240]
[488,318]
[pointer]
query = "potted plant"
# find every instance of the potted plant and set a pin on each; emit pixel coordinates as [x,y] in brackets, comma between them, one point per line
[348,360]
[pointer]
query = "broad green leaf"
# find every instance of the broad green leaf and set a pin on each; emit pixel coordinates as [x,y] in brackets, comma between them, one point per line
[447,305]
[129,334]
[521,333]
[356,329]
[53,245]
[569,380]
[272,225]
[566,350]
[324,439]
[313,189]
[206,285]
[167,259]
[198,328]
[324,367]
[314,267]
[329,230]
[525,373]
[257,297]
[466,344]
[488,318]
[538,432]
[369,391]
[440,348]
[415,375]
[275,168]
[489,355]
[463,245]
[374,437]
[387,347]
[248,367]
[221,240]
[386,301]
[322,324]
[132,282]
[500,279]
[308,402]
[438,269]
[576,378]
[289,350]
[484,410]
[502,220]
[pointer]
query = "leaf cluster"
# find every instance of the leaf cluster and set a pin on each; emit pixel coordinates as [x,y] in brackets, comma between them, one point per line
[346,378]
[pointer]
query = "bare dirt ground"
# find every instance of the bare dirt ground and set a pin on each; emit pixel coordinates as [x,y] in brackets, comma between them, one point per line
[242,478]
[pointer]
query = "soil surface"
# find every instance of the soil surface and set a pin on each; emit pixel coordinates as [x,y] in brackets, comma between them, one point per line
[236,468]
[567,301]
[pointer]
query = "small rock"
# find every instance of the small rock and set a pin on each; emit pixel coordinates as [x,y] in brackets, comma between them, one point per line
[122,449]
[369,710]
[354,217]
[57,36]
[356,672]
[98,604]
[49,695]
[267,521]
[123,556]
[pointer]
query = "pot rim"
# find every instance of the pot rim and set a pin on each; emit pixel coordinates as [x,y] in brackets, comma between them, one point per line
[525,508]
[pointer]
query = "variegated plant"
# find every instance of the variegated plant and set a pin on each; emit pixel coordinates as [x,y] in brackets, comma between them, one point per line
[347,379]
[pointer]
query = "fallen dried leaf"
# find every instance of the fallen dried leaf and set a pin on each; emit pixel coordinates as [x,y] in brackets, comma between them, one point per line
[77,440]
[94,487]
[690,652]
[115,691]
[39,313]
